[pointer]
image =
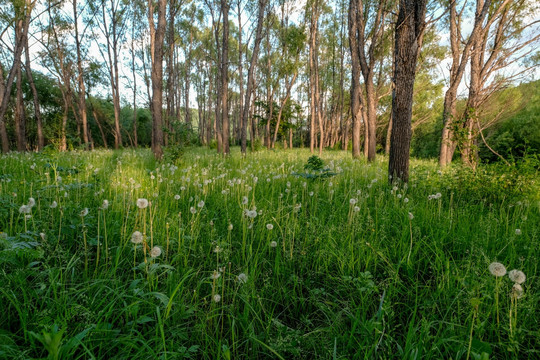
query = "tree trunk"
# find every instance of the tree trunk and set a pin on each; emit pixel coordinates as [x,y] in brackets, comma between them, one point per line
[356,91]
[409,32]
[35,98]
[80,79]
[225,78]
[157,77]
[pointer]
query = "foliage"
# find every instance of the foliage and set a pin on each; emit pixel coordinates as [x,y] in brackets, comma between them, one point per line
[304,269]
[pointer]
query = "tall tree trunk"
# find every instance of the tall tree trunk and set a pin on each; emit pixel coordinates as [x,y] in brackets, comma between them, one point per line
[35,98]
[225,78]
[80,79]
[5,88]
[157,77]
[460,57]
[409,33]
[356,90]
[20,118]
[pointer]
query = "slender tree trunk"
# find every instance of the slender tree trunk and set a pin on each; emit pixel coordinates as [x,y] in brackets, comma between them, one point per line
[356,91]
[80,79]
[225,77]
[157,78]
[35,98]
[409,32]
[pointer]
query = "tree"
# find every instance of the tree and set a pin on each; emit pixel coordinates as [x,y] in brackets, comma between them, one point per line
[251,77]
[156,41]
[409,32]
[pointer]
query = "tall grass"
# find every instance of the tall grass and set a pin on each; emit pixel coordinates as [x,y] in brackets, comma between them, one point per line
[256,262]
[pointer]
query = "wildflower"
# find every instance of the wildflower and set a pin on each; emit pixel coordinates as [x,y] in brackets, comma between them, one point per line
[497,269]
[155,252]
[353,201]
[25,209]
[406,200]
[269,226]
[411,216]
[177,197]
[137,237]
[310,193]
[105,205]
[356,209]
[230,227]
[43,236]
[273,244]
[201,204]
[399,196]
[193,210]
[53,205]
[517,291]
[31,202]
[142,203]
[215,275]
[242,278]
[517,276]
[218,249]
[217,298]
[83,212]
[518,231]
[244,200]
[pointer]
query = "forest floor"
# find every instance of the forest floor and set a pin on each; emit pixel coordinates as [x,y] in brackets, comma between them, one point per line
[110,255]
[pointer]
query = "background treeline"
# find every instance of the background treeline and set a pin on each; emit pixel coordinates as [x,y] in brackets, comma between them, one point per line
[112,73]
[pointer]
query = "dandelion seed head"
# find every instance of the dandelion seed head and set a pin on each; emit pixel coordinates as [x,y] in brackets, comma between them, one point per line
[497,269]
[105,204]
[137,237]
[155,252]
[518,231]
[269,226]
[142,203]
[215,275]
[200,204]
[176,197]
[517,276]
[517,291]
[242,278]
[31,202]
[273,244]
[53,205]
[25,209]
[83,212]
[217,298]
[411,216]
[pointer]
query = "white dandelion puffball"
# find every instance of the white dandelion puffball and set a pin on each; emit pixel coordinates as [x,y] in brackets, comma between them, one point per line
[518,231]
[411,216]
[517,291]
[31,202]
[310,193]
[497,269]
[356,209]
[201,204]
[273,244]
[230,227]
[215,275]
[53,205]
[105,205]
[25,209]
[142,203]
[353,201]
[192,210]
[242,278]
[176,197]
[83,212]
[406,200]
[269,226]
[517,276]
[137,237]
[244,200]
[155,252]
[217,298]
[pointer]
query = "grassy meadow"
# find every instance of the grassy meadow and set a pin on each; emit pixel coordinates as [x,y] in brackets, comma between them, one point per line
[110,255]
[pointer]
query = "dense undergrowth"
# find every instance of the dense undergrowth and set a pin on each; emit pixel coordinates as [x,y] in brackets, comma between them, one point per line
[256,261]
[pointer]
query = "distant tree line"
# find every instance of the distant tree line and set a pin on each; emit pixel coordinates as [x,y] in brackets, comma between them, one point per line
[340,74]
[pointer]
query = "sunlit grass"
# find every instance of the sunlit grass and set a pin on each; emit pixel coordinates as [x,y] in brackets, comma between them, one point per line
[255,262]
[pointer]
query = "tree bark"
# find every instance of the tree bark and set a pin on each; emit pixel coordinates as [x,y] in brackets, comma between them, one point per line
[80,79]
[225,78]
[409,32]
[157,77]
